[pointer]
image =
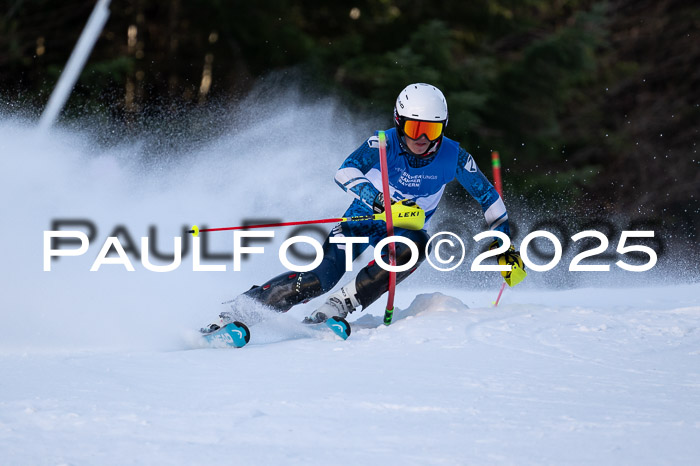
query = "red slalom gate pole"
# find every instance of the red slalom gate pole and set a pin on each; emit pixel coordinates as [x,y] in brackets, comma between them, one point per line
[496,166]
[389,311]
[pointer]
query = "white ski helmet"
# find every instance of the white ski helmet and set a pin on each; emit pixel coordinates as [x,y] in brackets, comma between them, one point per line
[421,109]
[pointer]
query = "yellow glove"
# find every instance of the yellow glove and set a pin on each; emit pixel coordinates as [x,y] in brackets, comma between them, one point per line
[511,257]
[404,213]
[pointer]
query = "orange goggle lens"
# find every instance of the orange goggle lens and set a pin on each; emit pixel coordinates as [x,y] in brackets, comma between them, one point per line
[415,129]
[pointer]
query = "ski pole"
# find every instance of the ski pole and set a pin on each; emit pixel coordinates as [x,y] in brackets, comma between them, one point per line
[410,217]
[496,166]
[196,230]
[389,311]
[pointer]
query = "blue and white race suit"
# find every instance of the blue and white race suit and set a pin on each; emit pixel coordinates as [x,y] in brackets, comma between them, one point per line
[421,179]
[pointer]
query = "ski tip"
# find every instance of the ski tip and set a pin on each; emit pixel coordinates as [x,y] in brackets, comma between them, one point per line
[340,327]
[244,333]
[194,230]
[235,334]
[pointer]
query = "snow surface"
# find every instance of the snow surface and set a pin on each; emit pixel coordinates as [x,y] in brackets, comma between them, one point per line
[543,381]
[102,368]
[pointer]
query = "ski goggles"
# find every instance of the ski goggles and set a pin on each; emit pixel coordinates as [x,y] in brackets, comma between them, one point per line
[414,129]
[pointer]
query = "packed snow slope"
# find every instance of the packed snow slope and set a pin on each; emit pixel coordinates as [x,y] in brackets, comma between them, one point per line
[573,377]
[105,367]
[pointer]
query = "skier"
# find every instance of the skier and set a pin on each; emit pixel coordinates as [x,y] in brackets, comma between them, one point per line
[421,161]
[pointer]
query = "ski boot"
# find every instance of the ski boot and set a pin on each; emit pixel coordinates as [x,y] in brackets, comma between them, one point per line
[339,304]
[225,318]
[213,327]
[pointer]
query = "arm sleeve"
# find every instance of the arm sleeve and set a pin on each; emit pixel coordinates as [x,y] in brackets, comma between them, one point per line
[351,176]
[474,181]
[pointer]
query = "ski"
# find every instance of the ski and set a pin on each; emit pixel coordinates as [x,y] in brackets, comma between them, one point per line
[234,334]
[339,326]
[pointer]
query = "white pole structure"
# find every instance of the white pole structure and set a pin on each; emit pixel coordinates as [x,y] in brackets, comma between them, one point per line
[75,64]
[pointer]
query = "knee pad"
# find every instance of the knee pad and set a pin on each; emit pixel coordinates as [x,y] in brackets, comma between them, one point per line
[373,281]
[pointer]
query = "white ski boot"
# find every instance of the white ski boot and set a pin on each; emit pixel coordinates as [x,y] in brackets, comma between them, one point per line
[339,304]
